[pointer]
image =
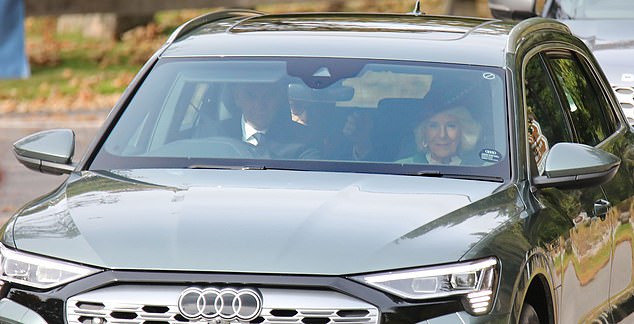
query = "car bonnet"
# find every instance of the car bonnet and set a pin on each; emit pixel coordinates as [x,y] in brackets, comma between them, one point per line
[258,221]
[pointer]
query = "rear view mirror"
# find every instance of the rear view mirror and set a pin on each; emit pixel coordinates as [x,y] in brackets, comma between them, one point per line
[300,92]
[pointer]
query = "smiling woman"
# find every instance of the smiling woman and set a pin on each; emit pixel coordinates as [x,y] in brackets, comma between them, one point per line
[445,136]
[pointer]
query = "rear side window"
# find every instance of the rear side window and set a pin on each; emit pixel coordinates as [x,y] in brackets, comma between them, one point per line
[592,118]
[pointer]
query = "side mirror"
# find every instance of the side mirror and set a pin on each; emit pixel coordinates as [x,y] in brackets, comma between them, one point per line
[573,165]
[512,9]
[48,151]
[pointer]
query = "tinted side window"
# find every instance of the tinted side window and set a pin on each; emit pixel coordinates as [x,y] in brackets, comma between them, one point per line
[591,117]
[546,119]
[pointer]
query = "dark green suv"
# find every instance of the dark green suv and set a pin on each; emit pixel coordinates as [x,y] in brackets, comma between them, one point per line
[338,168]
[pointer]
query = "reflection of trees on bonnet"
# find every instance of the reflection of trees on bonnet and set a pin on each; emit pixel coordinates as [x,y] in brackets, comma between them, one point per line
[496,209]
[58,221]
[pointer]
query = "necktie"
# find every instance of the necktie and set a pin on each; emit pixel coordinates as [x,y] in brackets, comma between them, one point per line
[261,145]
[259,138]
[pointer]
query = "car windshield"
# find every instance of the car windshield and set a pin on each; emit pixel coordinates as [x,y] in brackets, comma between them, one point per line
[320,114]
[593,9]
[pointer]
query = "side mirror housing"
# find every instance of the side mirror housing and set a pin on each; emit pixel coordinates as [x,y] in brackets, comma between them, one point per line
[573,165]
[512,9]
[49,151]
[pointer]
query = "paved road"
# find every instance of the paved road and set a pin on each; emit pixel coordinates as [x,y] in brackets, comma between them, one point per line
[19,184]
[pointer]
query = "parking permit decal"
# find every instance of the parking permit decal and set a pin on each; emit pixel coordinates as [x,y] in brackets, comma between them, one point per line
[488,76]
[490,155]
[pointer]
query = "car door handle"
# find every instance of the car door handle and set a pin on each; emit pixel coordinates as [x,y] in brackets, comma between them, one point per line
[601,208]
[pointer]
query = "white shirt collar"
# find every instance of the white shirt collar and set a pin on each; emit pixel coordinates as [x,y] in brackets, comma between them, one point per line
[455,160]
[247,132]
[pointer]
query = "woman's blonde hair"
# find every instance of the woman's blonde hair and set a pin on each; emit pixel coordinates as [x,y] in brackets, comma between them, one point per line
[469,128]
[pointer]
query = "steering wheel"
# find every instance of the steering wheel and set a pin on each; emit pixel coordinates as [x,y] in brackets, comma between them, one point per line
[209,147]
[229,147]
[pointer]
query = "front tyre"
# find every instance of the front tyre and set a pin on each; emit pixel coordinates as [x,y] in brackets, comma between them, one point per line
[528,315]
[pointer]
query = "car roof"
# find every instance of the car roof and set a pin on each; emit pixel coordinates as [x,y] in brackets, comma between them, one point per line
[476,41]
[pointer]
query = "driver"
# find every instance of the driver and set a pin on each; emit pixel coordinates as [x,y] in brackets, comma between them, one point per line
[264,121]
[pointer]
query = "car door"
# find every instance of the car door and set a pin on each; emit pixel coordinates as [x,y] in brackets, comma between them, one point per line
[578,240]
[596,122]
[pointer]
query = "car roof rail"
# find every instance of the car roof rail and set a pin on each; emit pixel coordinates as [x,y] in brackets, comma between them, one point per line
[530,25]
[209,18]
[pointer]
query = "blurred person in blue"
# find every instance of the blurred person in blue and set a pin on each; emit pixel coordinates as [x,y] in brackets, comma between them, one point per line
[13,59]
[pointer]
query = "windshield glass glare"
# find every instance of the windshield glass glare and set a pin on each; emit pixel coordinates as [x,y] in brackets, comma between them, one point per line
[313,114]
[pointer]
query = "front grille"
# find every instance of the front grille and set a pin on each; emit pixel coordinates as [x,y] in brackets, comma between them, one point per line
[625,95]
[157,305]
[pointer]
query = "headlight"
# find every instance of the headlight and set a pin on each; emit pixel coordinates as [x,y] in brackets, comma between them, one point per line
[474,281]
[37,271]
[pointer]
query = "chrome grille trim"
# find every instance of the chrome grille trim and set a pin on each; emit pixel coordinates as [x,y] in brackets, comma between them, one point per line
[138,304]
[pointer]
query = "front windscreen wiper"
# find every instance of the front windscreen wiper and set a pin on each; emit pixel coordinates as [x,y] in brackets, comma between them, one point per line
[239,167]
[428,173]
[438,174]
[227,167]
[474,177]
[420,173]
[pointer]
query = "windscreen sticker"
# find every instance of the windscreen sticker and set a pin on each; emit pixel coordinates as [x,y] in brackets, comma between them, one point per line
[488,76]
[490,155]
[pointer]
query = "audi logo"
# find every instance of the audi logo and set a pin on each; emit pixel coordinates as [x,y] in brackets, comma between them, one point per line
[227,303]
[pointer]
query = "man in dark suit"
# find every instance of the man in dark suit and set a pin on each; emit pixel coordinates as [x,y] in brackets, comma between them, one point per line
[263,120]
